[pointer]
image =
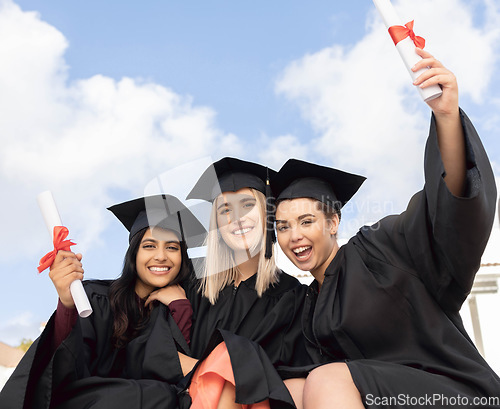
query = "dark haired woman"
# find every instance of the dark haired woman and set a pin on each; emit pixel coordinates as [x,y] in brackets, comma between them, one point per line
[126,354]
[382,313]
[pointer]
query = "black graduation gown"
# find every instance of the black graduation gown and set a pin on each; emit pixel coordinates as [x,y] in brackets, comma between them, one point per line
[86,371]
[273,320]
[255,377]
[260,333]
[389,304]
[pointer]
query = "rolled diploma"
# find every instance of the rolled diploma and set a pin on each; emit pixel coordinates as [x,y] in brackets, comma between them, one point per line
[51,216]
[406,48]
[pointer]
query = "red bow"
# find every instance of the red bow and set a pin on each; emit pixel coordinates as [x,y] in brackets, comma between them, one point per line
[60,233]
[399,33]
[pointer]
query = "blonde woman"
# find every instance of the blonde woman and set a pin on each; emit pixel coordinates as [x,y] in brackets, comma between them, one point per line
[240,290]
[236,245]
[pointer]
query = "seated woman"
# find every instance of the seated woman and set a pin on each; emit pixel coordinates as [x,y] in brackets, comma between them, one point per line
[240,290]
[382,313]
[126,354]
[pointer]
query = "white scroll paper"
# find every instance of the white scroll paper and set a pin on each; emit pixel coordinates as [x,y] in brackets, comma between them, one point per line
[51,216]
[406,48]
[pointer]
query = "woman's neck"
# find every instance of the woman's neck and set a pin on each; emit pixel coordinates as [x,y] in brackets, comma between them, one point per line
[142,290]
[319,272]
[246,266]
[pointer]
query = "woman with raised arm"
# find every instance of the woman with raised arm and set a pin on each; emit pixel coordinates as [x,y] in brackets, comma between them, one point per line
[126,354]
[382,313]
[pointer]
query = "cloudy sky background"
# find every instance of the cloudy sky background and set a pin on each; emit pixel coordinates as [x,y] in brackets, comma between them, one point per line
[102,102]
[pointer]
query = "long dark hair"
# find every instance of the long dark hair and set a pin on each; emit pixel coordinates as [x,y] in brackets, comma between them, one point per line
[129,317]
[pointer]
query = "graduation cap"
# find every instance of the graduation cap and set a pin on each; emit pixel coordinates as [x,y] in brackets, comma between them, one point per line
[331,186]
[165,211]
[231,175]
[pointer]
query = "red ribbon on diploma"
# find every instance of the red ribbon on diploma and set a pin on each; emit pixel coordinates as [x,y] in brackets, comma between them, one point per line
[399,33]
[60,233]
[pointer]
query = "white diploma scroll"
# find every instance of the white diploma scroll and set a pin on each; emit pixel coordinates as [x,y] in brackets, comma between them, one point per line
[52,219]
[406,48]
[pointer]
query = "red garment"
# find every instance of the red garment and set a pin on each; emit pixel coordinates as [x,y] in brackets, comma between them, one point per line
[65,319]
[209,379]
[182,312]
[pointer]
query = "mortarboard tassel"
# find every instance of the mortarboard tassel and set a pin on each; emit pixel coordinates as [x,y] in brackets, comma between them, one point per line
[270,235]
[180,226]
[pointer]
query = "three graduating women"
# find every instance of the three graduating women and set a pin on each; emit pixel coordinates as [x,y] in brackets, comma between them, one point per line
[382,315]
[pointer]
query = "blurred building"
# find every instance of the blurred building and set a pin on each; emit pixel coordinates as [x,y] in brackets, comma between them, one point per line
[9,358]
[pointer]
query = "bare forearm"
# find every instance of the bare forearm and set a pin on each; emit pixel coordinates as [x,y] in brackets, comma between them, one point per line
[452,147]
[449,127]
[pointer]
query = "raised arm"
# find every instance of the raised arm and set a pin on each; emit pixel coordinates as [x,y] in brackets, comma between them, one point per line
[450,133]
[443,232]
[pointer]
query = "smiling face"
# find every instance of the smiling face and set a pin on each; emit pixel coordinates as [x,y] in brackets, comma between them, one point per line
[239,220]
[158,260]
[306,235]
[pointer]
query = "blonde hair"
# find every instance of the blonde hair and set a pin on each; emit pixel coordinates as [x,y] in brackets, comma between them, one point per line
[220,267]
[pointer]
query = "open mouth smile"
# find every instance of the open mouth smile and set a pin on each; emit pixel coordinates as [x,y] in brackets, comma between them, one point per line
[302,253]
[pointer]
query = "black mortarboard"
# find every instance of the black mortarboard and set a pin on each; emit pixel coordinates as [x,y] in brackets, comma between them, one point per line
[331,186]
[231,175]
[165,211]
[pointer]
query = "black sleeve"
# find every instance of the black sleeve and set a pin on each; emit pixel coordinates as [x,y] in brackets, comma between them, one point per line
[441,237]
[293,351]
[191,287]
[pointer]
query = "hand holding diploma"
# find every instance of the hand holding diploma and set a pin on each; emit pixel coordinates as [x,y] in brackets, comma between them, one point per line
[437,74]
[56,259]
[67,267]
[405,40]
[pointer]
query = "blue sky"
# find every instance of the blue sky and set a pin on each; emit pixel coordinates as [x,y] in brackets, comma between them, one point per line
[210,50]
[100,100]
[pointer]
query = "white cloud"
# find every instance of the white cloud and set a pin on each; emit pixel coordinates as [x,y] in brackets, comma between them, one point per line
[360,102]
[23,323]
[86,138]
[277,150]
